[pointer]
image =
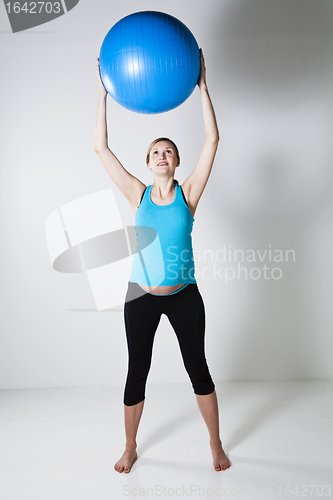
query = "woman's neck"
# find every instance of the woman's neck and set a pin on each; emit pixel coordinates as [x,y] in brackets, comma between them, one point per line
[162,189]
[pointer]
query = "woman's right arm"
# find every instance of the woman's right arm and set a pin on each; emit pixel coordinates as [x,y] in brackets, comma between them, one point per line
[129,185]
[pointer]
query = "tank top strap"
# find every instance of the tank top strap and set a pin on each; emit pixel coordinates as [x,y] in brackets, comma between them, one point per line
[143,195]
[181,190]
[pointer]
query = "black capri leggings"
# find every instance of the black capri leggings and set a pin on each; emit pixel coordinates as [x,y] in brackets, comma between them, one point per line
[186,313]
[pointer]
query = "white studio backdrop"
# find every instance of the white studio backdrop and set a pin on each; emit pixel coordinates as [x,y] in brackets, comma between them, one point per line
[262,235]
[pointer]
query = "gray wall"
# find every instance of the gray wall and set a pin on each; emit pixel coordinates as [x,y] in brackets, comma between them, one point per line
[270,74]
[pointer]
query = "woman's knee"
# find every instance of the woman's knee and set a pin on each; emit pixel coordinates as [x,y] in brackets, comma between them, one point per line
[134,391]
[201,379]
[203,388]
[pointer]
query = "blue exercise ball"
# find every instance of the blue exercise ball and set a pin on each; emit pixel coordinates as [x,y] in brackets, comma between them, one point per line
[149,62]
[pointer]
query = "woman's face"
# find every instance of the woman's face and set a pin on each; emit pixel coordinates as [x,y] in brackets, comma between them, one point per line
[163,158]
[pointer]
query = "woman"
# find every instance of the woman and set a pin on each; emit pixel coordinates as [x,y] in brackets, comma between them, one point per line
[169,209]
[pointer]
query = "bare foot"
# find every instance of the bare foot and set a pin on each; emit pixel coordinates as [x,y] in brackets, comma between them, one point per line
[126,462]
[220,460]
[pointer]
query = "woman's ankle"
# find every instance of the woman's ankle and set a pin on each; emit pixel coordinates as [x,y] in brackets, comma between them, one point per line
[130,445]
[216,441]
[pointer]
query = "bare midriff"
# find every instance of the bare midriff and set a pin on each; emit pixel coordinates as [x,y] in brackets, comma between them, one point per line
[162,290]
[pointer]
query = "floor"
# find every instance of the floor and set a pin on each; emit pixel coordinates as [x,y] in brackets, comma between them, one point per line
[62,443]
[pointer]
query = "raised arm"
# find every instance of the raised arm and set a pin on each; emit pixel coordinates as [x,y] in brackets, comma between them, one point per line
[195,183]
[130,186]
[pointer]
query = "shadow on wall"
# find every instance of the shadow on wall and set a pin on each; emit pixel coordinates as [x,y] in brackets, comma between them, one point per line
[267,45]
[275,76]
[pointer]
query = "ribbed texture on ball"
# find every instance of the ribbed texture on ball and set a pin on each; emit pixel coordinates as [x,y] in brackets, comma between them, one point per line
[149,62]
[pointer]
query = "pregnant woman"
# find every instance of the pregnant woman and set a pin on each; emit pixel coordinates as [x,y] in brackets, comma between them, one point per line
[169,288]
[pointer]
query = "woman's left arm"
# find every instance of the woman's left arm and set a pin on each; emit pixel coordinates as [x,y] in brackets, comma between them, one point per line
[195,184]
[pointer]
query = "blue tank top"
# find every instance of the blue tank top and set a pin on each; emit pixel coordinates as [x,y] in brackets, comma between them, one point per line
[164,254]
